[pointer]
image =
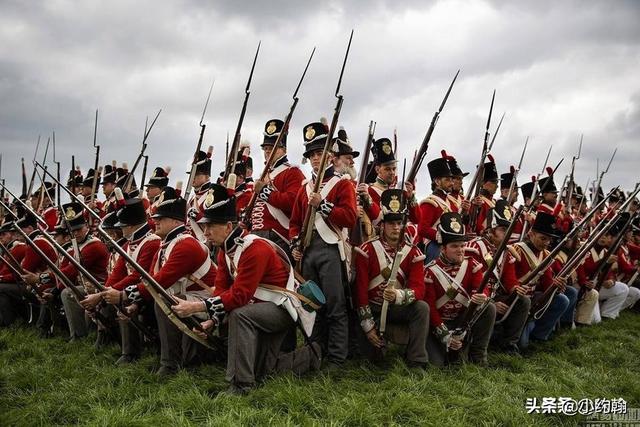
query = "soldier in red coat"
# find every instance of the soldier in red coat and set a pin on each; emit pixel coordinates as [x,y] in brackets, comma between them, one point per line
[385,166]
[484,200]
[158,180]
[141,245]
[374,263]
[452,282]
[549,202]
[255,296]
[529,254]
[201,184]
[94,257]
[16,247]
[277,192]
[42,202]
[435,205]
[15,297]
[456,199]
[509,193]
[183,267]
[324,258]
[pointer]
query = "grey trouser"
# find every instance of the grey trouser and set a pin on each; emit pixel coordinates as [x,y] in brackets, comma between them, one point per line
[74,312]
[322,265]
[131,339]
[508,330]
[255,334]
[176,348]
[415,317]
[475,343]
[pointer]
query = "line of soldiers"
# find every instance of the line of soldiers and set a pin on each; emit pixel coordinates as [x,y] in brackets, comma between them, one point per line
[444,277]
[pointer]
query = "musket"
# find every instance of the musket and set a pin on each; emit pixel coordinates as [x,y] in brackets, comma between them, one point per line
[57,163]
[602,174]
[24,177]
[159,294]
[495,134]
[570,187]
[51,264]
[358,233]
[542,303]
[226,147]
[473,311]
[194,162]
[246,218]
[392,282]
[43,189]
[73,173]
[128,184]
[33,175]
[229,177]
[476,183]
[144,173]
[395,140]
[308,223]
[420,154]
[517,171]
[96,173]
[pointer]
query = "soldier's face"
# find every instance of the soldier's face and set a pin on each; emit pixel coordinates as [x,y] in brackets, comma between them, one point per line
[107,188]
[504,192]
[454,252]
[456,183]
[315,159]
[391,230]
[217,233]
[86,190]
[490,186]
[80,233]
[153,191]
[200,179]
[267,149]
[445,183]
[497,235]
[165,225]
[5,237]
[540,241]
[550,197]
[387,173]
[605,240]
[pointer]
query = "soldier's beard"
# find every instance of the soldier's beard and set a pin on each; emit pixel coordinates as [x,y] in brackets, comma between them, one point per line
[351,171]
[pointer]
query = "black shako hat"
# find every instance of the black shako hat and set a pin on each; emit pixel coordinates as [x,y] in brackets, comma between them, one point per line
[545,223]
[392,204]
[382,150]
[439,168]
[170,205]
[341,145]
[272,130]
[315,136]
[159,178]
[451,229]
[500,215]
[74,215]
[219,206]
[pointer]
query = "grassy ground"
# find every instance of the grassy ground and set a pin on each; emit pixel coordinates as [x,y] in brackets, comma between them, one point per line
[52,382]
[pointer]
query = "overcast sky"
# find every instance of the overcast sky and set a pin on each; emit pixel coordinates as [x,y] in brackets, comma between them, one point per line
[559,68]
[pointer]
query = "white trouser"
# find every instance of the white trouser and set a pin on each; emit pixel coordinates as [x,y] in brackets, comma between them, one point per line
[611,302]
[632,298]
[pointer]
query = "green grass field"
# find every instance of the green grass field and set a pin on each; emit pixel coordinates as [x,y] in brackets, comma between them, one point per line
[46,382]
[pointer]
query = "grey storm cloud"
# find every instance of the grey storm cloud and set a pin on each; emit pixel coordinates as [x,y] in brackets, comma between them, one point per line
[560,69]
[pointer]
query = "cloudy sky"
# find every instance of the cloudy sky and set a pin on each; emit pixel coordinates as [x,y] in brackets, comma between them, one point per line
[560,69]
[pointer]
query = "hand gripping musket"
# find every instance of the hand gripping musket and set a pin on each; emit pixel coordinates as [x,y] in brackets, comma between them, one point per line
[159,294]
[602,174]
[402,245]
[360,232]
[194,162]
[517,171]
[246,217]
[128,184]
[419,157]
[33,174]
[229,178]
[52,264]
[308,223]
[473,311]
[476,183]
[540,306]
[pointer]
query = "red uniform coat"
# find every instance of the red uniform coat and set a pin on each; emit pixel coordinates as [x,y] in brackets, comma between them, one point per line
[483,212]
[524,264]
[32,262]
[431,209]
[186,257]
[123,275]
[18,250]
[375,211]
[482,251]
[258,264]
[340,203]
[451,309]
[410,273]
[94,257]
[286,181]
